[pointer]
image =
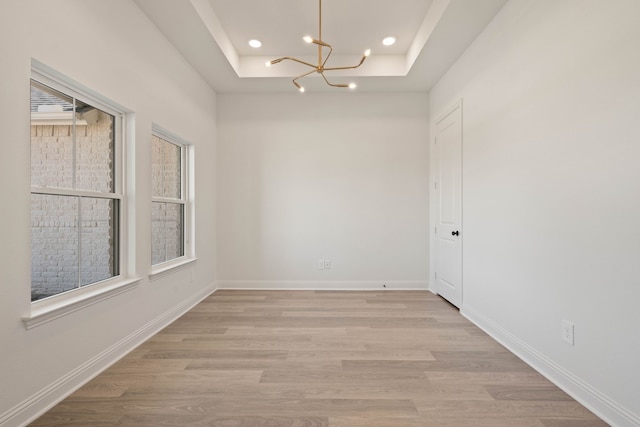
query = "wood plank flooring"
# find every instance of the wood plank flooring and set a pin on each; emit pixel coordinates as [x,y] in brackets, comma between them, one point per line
[320,359]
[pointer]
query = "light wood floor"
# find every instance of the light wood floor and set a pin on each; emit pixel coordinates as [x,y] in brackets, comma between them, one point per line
[320,359]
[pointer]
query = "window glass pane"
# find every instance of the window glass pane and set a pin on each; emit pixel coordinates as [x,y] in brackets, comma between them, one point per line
[167,231]
[52,150]
[54,245]
[98,237]
[94,149]
[172,171]
[166,168]
[72,143]
[156,166]
[159,239]
[174,230]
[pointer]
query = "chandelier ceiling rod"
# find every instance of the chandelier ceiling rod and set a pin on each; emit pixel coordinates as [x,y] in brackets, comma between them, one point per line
[319,30]
[320,68]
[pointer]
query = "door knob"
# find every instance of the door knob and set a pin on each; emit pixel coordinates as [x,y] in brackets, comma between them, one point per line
[455,233]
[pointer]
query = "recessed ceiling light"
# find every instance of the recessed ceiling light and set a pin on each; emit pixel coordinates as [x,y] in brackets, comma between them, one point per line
[255,43]
[389,41]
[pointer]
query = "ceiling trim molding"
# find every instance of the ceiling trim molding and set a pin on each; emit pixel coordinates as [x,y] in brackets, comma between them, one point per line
[431,20]
[252,66]
[213,25]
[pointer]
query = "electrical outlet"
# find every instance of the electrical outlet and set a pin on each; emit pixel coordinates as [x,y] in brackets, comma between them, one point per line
[567,332]
[327,264]
[320,264]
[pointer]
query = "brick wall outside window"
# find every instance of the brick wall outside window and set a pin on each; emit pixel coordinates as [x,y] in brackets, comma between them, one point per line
[62,258]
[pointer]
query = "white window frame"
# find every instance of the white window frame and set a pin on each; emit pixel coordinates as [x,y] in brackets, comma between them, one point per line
[186,192]
[55,306]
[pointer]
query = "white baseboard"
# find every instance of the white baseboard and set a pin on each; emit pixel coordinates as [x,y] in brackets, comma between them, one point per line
[36,405]
[584,393]
[336,285]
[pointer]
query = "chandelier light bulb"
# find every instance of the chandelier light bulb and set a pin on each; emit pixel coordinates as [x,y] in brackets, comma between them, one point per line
[267,64]
[308,39]
[301,89]
[367,52]
[352,85]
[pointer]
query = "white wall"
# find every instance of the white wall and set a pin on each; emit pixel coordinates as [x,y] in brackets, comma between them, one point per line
[551,94]
[114,50]
[338,176]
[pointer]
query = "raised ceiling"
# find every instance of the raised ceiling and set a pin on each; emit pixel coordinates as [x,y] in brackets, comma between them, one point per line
[352,23]
[213,36]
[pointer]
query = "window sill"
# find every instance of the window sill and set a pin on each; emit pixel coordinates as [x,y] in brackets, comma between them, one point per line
[165,269]
[45,311]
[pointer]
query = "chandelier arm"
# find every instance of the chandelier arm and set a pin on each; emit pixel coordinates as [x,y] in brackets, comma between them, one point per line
[301,76]
[363,58]
[333,84]
[347,68]
[342,68]
[320,43]
[328,55]
[296,60]
[305,74]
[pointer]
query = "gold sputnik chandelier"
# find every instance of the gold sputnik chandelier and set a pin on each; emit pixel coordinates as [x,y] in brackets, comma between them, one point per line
[320,68]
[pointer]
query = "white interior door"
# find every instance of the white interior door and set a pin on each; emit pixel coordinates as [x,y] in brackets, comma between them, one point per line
[448,187]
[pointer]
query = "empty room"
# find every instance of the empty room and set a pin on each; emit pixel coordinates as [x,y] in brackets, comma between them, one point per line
[320,213]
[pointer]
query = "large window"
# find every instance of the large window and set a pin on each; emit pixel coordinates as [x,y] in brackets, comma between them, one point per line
[169,197]
[76,193]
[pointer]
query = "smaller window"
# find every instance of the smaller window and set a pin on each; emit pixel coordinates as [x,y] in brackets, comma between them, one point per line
[169,202]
